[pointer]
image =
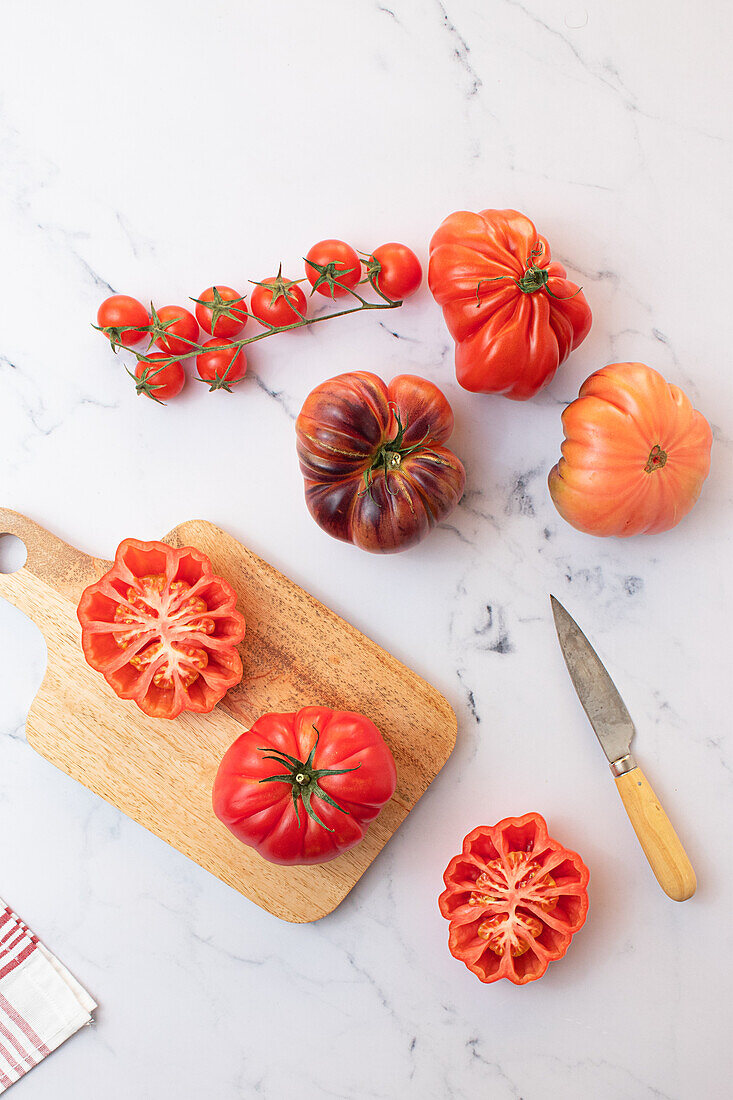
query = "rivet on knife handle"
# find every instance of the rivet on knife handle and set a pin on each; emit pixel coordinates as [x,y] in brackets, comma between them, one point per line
[662,847]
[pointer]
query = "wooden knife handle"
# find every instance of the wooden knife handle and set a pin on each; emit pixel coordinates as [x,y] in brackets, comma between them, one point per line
[667,858]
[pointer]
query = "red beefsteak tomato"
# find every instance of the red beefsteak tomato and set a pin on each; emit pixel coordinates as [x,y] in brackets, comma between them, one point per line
[514,898]
[514,315]
[635,454]
[373,459]
[163,629]
[303,787]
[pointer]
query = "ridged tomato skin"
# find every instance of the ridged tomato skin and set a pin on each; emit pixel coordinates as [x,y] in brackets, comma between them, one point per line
[345,423]
[261,813]
[514,897]
[635,454]
[508,341]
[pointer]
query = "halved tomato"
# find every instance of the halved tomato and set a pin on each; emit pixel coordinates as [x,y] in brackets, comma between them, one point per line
[163,629]
[514,898]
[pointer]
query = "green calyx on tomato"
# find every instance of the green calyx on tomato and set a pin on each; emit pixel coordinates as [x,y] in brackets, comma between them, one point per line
[331,275]
[534,278]
[304,779]
[218,307]
[155,379]
[158,328]
[281,288]
[389,456]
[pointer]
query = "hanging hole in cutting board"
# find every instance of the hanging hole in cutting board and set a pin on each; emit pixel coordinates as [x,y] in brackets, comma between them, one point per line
[13,553]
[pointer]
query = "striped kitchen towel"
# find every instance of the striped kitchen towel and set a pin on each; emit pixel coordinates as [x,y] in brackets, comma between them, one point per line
[41,1003]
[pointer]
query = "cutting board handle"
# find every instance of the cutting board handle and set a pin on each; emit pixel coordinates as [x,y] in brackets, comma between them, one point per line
[50,559]
[662,847]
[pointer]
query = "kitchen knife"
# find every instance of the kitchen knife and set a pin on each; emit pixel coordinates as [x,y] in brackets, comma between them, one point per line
[615,730]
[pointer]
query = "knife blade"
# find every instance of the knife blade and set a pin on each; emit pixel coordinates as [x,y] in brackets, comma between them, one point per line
[614,729]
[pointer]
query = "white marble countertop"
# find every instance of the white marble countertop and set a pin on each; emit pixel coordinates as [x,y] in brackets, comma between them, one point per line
[158,148]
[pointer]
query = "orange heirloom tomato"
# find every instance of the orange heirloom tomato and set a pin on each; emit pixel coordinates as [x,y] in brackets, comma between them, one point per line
[635,454]
[514,898]
[512,312]
[162,628]
[373,459]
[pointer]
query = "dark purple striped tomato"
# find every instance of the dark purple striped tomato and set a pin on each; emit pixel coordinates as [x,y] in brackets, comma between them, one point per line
[373,459]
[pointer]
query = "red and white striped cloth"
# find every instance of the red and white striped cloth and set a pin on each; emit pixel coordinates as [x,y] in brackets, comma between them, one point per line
[41,1003]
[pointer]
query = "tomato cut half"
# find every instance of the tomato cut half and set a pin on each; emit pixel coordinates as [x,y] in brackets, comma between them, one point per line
[163,629]
[514,898]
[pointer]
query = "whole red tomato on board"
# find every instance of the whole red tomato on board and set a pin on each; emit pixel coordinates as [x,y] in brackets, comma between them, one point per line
[514,898]
[512,312]
[159,377]
[330,262]
[181,330]
[395,270]
[221,364]
[163,629]
[303,787]
[373,459]
[635,454]
[221,311]
[118,313]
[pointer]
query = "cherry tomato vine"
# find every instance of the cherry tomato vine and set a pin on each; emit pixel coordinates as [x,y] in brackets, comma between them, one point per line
[221,362]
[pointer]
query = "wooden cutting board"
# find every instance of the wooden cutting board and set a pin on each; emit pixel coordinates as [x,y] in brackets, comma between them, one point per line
[160,772]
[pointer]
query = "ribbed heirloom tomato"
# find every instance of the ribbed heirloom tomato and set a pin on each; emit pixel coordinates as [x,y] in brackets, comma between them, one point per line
[163,629]
[512,312]
[514,898]
[303,787]
[635,454]
[373,459]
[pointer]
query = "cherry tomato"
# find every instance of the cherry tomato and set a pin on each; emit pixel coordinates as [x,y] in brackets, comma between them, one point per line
[119,311]
[395,269]
[330,261]
[181,330]
[217,318]
[277,301]
[161,379]
[222,365]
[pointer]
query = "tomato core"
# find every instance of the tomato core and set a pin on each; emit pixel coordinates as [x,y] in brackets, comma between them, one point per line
[657,459]
[150,607]
[514,886]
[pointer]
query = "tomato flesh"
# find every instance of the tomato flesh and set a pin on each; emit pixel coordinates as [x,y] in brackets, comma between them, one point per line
[507,884]
[163,629]
[151,607]
[514,898]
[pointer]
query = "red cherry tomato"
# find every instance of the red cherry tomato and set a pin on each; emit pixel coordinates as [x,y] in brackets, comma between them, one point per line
[222,365]
[117,313]
[395,269]
[329,262]
[221,318]
[277,301]
[181,330]
[162,378]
